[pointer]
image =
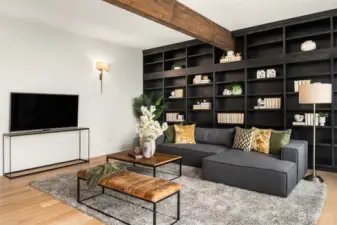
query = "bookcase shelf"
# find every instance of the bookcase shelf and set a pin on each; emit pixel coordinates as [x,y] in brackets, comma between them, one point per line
[276,41]
[266,79]
[196,85]
[230,96]
[304,36]
[269,46]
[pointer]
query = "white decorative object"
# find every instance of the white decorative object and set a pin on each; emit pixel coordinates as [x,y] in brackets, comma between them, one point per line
[261,103]
[173,93]
[230,53]
[197,79]
[322,121]
[260,74]
[149,148]
[308,46]
[227,92]
[148,128]
[299,118]
[271,73]
[177,67]
[181,117]
[138,150]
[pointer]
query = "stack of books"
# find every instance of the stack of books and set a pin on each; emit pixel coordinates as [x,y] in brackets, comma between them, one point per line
[173,117]
[203,106]
[298,83]
[308,120]
[232,118]
[270,103]
[178,93]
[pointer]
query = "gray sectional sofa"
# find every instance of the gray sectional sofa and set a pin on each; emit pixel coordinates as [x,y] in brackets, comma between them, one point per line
[271,174]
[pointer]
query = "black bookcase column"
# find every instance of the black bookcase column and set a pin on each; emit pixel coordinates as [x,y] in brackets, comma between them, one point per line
[245,84]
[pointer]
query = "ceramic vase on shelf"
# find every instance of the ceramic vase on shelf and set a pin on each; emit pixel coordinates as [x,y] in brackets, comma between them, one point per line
[322,121]
[149,148]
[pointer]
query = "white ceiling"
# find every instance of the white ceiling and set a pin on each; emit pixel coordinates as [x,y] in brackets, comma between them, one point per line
[238,14]
[97,19]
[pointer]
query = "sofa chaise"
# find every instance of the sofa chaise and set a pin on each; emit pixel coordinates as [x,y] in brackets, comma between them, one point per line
[265,173]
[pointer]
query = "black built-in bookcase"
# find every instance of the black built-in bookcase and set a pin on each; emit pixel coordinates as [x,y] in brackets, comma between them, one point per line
[275,45]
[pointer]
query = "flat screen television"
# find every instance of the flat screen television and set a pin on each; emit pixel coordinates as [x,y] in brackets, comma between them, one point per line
[42,111]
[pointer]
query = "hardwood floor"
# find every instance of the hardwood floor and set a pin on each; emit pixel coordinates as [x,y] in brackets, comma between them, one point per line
[21,204]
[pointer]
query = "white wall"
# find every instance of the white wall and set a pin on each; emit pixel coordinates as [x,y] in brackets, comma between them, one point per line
[39,59]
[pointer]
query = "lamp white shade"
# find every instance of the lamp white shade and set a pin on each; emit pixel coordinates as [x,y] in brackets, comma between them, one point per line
[315,93]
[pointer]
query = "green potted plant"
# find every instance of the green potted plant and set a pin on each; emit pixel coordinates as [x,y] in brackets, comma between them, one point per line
[236,89]
[322,118]
[148,101]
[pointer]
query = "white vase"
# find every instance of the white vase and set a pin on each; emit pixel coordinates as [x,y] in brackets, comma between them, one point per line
[322,121]
[149,148]
[141,143]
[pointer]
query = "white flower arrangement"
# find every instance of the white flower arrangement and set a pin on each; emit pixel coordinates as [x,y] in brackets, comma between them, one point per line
[148,128]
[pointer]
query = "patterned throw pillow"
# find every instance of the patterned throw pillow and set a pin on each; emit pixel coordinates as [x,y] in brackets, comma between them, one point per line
[261,140]
[243,139]
[185,134]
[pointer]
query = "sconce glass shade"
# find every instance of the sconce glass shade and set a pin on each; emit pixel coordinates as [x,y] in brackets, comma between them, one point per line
[102,66]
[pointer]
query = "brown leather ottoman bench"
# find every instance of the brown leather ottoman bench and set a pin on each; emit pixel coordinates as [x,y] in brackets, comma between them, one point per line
[149,189]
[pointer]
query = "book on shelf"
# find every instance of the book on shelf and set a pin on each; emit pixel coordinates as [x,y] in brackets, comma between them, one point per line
[299,123]
[231,118]
[270,103]
[298,83]
[173,117]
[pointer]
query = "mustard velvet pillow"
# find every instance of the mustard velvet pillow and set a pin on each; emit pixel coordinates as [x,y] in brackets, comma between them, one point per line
[261,140]
[184,134]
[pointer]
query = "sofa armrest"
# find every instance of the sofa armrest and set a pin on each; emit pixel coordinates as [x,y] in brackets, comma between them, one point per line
[297,151]
[160,140]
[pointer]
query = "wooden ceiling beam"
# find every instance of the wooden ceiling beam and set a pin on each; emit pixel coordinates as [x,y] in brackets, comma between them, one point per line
[173,14]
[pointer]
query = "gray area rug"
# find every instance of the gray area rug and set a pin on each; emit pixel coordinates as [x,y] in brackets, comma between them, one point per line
[202,202]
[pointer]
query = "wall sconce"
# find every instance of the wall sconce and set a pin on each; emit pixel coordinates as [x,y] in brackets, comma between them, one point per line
[101,66]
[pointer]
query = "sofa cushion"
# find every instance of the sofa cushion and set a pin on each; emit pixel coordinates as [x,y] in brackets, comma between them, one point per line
[192,154]
[261,140]
[251,170]
[278,140]
[215,136]
[196,147]
[185,134]
[243,139]
[170,135]
[252,159]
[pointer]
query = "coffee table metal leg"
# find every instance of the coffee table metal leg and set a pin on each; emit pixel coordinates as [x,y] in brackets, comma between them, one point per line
[107,159]
[180,167]
[78,190]
[178,205]
[154,213]
[154,171]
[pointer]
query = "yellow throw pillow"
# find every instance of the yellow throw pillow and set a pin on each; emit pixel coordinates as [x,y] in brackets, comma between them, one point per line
[261,140]
[184,134]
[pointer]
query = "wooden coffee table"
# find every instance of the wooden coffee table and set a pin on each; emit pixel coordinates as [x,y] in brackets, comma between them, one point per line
[159,159]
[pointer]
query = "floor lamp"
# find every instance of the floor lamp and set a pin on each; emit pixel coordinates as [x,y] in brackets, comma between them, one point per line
[316,93]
